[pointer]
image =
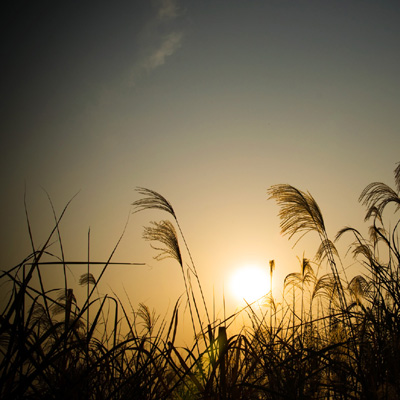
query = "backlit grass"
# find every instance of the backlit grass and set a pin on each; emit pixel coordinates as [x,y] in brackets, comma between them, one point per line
[329,337]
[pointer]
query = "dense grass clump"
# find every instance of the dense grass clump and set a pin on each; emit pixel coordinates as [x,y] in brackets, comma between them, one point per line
[329,337]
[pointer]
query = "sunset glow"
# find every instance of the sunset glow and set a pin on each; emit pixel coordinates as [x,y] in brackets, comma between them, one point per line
[199,199]
[250,283]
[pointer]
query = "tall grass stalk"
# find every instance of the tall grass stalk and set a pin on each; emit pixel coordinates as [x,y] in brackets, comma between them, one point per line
[327,338]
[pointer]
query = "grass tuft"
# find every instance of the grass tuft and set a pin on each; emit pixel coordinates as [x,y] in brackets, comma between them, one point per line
[327,337]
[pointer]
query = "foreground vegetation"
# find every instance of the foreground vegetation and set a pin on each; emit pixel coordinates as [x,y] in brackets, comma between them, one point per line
[328,338]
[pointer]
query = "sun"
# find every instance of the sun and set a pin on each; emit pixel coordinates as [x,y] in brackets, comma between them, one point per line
[250,283]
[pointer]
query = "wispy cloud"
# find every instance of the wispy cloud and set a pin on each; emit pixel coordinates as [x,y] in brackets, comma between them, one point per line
[171,42]
[167,9]
[160,39]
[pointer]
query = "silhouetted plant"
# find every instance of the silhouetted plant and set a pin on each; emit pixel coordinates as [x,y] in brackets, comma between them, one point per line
[325,339]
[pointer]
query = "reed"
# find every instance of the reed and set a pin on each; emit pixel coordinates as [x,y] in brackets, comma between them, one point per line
[328,337]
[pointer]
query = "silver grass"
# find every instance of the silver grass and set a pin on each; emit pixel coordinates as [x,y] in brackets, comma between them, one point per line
[325,287]
[148,318]
[306,268]
[40,316]
[376,196]
[269,300]
[359,246]
[66,296]
[397,177]
[324,250]
[346,229]
[359,288]
[299,212]
[271,267]
[86,279]
[153,200]
[364,250]
[373,212]
[64,301]
[292,279]
[165,233]
[376,234]
[298,279]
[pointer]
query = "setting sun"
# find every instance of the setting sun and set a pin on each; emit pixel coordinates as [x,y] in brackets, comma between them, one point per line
[250,282]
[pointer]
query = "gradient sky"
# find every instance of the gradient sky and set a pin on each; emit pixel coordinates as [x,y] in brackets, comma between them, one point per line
[208,103]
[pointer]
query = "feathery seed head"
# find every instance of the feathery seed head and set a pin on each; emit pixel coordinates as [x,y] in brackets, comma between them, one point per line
[165,233]
[153,200]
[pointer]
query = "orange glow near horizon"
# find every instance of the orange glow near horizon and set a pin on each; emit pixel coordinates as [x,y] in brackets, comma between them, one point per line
[249,283]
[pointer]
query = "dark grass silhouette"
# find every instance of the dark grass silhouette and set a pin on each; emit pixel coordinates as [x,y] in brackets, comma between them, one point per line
[328,338]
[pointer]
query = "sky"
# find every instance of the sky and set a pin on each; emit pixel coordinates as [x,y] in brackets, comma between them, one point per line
[208,103]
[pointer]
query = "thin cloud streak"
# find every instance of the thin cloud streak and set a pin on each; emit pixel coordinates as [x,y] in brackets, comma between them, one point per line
[169,45]
[167,9]
[156,46]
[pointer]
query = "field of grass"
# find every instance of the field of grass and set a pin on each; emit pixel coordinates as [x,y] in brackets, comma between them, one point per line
[330,337]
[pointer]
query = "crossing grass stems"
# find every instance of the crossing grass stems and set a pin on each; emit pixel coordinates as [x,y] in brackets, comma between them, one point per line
[328,337]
